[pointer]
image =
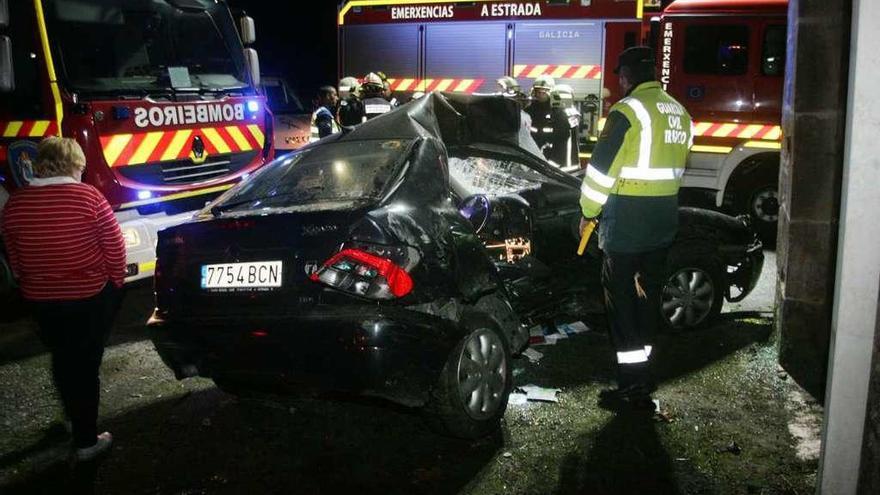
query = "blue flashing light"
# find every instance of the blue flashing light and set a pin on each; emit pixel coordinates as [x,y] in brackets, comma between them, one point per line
[145,194]
[253,106]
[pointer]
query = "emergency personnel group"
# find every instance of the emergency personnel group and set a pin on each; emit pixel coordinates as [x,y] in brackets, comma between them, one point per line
[630,188]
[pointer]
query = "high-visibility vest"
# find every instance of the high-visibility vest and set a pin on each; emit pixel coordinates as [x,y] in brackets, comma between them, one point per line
[653,155]
[315,132]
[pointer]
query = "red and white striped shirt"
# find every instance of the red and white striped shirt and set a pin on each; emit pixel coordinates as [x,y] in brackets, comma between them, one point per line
[62,239]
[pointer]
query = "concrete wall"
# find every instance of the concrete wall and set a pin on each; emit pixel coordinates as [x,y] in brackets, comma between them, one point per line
[869,477]
[858,264]
[814,108]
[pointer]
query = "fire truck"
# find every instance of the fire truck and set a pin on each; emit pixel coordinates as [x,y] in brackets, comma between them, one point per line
[465,46]
[723,59]
[160,94]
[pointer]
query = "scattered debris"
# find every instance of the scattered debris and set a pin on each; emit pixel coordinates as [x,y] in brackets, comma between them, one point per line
[536,393]
[549,335]
[518,371]
[533,355]
[135,396]
[517,399]
[731,448]
[508,454]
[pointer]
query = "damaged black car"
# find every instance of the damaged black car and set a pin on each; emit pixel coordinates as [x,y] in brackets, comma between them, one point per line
[406,259]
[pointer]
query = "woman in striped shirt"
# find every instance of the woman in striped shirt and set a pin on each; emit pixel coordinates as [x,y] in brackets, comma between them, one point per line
[66,249]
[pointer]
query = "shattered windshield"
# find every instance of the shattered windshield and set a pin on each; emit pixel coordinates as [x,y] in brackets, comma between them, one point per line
[479,175]
[334,172]
[145,45]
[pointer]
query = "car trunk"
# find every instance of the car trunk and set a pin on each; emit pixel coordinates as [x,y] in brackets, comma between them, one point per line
[300,241]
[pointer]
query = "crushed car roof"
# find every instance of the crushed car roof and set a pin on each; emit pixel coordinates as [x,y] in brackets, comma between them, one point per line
[455,119]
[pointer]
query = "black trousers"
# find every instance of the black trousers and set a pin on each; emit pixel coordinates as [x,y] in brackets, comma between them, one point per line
[633,284]
[75,333]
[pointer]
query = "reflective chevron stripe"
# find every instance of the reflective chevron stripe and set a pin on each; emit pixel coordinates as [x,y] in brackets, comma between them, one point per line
[159,146]
[558,71]
[28,128]
[742,131]
[468,86]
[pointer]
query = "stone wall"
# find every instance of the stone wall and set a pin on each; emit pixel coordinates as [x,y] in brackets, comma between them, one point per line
[814,108]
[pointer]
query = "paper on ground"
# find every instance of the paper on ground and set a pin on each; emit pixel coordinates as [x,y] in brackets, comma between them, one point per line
[533,355]
[536,393]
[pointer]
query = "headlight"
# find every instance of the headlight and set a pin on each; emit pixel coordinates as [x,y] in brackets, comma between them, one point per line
[131,236]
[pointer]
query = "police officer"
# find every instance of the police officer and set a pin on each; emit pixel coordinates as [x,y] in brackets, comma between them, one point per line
[374,101]
[632,181]
[324,117]
[351,108]
[550,127]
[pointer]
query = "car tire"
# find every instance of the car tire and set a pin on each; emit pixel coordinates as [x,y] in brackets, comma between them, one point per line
[693,291]
[755,193]
[471,394]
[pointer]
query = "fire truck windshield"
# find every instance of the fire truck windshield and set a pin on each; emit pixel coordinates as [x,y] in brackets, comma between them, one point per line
[143,46]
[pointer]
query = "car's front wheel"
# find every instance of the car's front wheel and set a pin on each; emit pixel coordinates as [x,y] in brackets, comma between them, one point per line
[693,292]
[471,394]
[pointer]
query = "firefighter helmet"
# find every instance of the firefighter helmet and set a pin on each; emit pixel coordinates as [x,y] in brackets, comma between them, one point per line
[544,82]
[562,96]
[373,81]
[508,85]
[348,84]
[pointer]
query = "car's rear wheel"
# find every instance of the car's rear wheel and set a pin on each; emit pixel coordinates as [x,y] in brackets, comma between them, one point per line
[693,292]
[471,395]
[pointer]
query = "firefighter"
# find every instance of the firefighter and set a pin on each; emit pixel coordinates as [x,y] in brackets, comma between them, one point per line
[632,181]
[324,117]
[510,87]
[351,108]
[374,101]
[348,86]
[562,97]
[550,127]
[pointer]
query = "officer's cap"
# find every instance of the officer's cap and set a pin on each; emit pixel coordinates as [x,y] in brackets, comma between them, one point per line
[635,57]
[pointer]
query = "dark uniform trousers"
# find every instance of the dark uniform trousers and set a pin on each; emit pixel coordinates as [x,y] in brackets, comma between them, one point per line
[633,295]
[75,333]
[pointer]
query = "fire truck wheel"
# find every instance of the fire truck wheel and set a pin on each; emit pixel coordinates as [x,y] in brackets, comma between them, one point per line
[755,192]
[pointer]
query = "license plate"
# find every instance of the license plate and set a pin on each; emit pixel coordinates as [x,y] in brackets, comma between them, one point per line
[252,275]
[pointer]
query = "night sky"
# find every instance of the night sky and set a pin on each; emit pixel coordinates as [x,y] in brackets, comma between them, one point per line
[296,42]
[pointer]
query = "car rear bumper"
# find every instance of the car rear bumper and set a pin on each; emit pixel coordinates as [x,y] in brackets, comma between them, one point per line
[391,353]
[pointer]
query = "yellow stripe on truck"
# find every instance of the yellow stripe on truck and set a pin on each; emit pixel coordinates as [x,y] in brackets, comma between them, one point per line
[216,140]
[177,143]
[115,146]
[39,128]
[256,133]
[238,137]
[12,128]
[146,148]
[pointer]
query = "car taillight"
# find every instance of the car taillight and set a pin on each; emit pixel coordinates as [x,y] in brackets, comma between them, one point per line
[365,274]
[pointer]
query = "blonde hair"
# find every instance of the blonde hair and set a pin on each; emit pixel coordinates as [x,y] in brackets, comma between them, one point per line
[58,156]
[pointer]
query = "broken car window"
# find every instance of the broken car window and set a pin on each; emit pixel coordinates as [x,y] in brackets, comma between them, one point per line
[478,175]
[344,171]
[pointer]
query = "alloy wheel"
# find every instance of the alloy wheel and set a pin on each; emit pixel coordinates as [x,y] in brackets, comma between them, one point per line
[688,297]
[482,374]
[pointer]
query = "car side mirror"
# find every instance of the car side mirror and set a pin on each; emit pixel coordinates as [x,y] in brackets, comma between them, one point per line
[253,65]
[476,209]
[4,13]
[247,30]
[7,72]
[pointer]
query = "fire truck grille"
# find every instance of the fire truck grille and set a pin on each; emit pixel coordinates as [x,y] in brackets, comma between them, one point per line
[186,171]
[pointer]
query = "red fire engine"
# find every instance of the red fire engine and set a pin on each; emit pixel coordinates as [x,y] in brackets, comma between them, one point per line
[160,94]
[465,46]
[725,61]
